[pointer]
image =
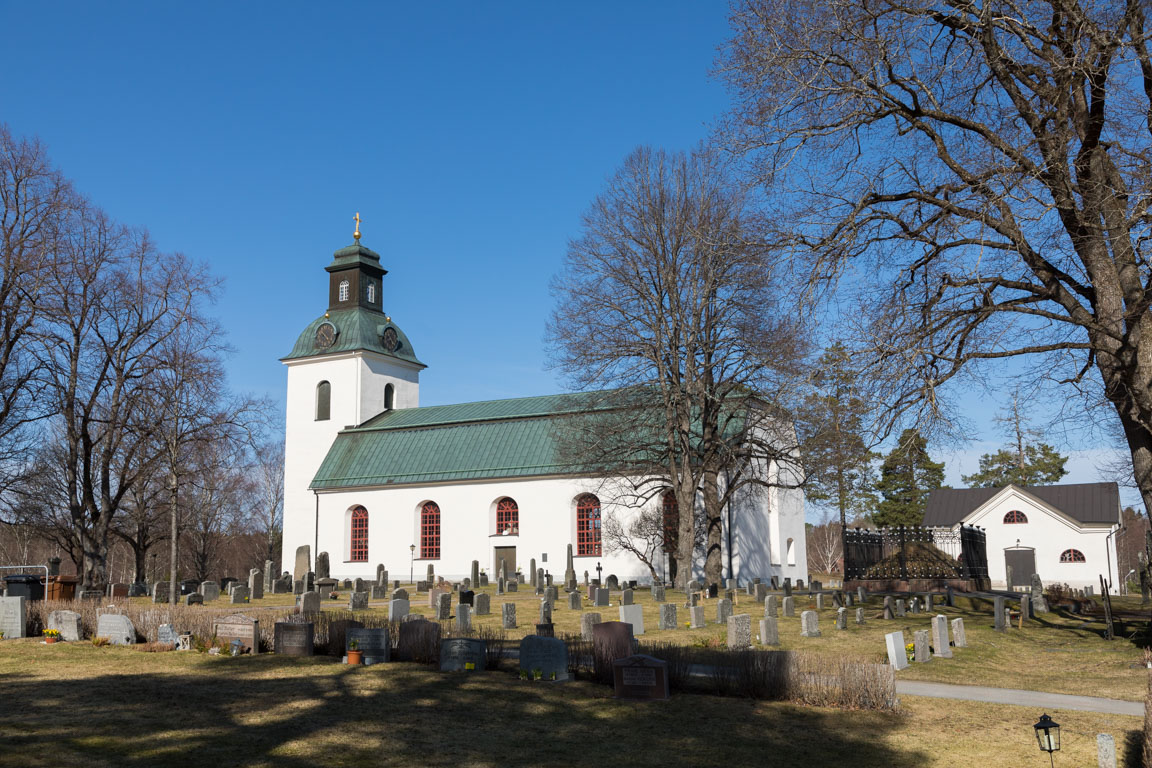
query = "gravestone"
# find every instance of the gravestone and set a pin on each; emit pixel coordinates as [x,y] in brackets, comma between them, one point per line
[634,615]
[730,595]
[398,609]
[739,631]
[378,592]
[841,618]
[837,600]
[115,627]
[809,624]
[475,573]
[282,586]
[399,594]
[67,622]
[374,644]
[769,631]
[587,621]
[723,610]
[545,611]
[998,614]
[611,640]
[889,612]
[512,585]
[13,616]
[929,602]
[859,615]
[444,606]
[462,654]
[940,644]
[788,586]
[641,678]
[914,606]
[1025,607]
[326,587]
[770,606]
[381,575]
[117,590]
[303,562]
[1105,750]
[323,569]
[760,592]
[256,584]
[463,617]
[239,627]
[337,632]
[667,616]
[819,602]
[434,597]
[483,604]
[551,593]
[900,610]
[423,586]
[626,597]
[612,582]
[308,602]
[508,615]
[949,597]
[601,598]
[466,597]
[789,606]
[430,574]
[358,601]
[500,585]
[920,641]
[696,617]
[239,595]
[693,599]
[532,578]
[90,594]
[959,639]
[483,579]
[861,594]
[137,589]
[1039,604]
[358,585]
[713,591]
[547,656]
[897,655]
[269,576]
[658,593]
[298,587]
[166,634]
[849,599]
[574,600]
[294,638]
[160,592]
[416,639]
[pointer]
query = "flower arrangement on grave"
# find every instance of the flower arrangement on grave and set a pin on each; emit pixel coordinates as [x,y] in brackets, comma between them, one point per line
[910,651]
[523,674]
[51,635]
[333,595]
[537,674]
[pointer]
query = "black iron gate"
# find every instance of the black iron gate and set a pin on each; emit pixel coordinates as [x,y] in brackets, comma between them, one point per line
[915,552]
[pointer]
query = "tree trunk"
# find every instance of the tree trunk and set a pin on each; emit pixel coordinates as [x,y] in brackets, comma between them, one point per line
[173,595]
[714,541]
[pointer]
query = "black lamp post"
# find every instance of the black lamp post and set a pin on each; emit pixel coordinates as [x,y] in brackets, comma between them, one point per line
[598,569]
[1048,736]
[411,563]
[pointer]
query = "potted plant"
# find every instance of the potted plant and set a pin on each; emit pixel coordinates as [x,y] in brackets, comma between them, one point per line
[51,636]
[355,655]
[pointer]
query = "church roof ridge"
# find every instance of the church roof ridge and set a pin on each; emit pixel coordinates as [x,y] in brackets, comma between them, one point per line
[537,406]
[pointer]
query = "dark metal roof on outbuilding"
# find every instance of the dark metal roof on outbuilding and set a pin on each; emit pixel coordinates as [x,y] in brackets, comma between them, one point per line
[1085,502]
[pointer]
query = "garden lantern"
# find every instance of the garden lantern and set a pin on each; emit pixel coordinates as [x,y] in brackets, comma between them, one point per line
[1048,735]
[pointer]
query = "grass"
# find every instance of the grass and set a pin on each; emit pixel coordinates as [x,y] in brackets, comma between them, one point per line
[73,704]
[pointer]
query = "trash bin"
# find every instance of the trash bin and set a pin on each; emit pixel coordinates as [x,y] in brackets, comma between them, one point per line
[23,584]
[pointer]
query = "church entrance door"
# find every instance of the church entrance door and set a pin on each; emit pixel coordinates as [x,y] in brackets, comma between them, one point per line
[509,556]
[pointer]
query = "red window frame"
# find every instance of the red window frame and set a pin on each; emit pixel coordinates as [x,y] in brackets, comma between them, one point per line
[588,526]
[671,521]
[507,516]
[1014,517]
[358,548]
[1072,556]
[430,531]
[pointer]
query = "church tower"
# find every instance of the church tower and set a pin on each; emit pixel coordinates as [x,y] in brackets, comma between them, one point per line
[349,365]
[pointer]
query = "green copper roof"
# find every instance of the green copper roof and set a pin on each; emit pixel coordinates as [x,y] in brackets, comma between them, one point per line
[492,439]
[357,328]
[355,255]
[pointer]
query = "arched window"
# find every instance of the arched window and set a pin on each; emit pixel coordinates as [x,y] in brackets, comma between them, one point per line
[371,292]
[358,548]
[430,531]
[1015,516]
[389,397]
[342,291]
[588,525]
[671,521]
[507,516]
[791,552]
[1072,556]
[323,401]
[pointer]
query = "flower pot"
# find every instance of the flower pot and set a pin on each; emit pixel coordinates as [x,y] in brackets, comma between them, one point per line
[355,657]
[49,640]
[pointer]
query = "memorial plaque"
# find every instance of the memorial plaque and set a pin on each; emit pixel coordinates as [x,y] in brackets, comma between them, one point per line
[13,616]
[373,643]
[239,627]
[294,638]
[462,654]
[546,655]
[640,677]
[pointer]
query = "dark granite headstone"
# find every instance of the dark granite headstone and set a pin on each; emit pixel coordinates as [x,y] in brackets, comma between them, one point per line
[640,677]
[373,643]
[611,640]
[462,654]
[546,655]
[547,629]
[337,632]
[294,638]
[466,597]
[417,638]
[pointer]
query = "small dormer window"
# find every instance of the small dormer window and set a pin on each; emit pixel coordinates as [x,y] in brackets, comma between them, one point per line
[371,293]
[342,291]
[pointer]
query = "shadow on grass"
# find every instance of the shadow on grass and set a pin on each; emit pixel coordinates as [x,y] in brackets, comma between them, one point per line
[302,713]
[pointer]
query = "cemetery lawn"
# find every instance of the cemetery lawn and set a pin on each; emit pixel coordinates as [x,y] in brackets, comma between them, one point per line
[73,704]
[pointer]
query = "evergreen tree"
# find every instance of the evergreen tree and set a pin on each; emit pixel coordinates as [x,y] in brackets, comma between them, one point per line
[907,476]
[1039,464]
[837,460]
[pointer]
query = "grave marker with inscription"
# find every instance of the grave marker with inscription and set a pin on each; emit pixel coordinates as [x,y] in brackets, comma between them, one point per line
[641,678]
[462,654]
[294,638]
[239,627]
[547,656]
[374,644]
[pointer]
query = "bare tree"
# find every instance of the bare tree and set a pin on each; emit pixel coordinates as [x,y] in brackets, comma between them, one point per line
[668,295]
[267,507]
[981,169]
[825,546]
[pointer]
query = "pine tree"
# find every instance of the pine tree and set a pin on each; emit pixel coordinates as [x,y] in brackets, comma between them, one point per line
[1022,462]
[907,476]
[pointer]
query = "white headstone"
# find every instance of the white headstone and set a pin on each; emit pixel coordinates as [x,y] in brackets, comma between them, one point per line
[940,646]
[634,615]
[13,616]
[897,655]
[117,628]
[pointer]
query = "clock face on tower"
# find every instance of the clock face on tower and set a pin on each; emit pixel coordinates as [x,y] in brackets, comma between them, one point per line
[390,339]
[325,335]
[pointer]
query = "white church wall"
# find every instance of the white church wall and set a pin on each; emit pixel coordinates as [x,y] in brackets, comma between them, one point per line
[376,372]
[1049,534]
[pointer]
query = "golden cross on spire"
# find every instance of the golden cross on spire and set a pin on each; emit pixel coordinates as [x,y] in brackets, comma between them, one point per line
[356,234]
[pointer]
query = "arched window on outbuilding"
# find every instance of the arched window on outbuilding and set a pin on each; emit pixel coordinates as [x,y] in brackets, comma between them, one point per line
[1014,517]
[1072,556]
[323,401]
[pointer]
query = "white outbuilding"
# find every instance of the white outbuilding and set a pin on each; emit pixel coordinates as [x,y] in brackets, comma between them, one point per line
[1064,533]
[371,477]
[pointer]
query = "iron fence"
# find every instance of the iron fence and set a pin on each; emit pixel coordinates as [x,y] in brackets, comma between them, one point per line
[915,552]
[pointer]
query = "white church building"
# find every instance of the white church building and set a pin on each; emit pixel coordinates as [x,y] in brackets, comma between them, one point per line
[371,477]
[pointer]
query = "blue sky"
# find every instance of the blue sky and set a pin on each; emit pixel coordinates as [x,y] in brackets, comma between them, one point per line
[469,136]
